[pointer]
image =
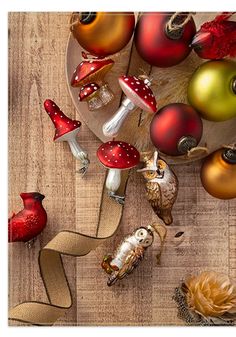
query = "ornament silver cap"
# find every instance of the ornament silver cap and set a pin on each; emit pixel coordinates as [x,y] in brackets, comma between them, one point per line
[186,143]
[229,155]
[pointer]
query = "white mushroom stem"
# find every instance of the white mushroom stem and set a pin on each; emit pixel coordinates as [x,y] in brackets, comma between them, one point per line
[111,128]
[113,180]
[78,152]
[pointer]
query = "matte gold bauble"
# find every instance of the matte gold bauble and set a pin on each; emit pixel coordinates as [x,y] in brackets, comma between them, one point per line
[218,174]
[102,33]
[212,90]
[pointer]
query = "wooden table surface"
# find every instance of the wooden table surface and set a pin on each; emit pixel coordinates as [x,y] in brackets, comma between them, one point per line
[37,43]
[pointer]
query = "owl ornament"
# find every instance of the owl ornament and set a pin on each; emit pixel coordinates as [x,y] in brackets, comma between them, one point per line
[131,251]
[161,186]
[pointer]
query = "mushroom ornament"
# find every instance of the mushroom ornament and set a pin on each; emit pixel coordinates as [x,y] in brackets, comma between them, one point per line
[90,93]
[94,70]
[67,130]
[138,95]
[117,156]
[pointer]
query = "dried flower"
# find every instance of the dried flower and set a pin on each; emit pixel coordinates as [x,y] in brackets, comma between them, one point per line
[211,294]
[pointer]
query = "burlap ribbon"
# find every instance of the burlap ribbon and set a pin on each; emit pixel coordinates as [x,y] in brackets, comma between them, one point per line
[51,265]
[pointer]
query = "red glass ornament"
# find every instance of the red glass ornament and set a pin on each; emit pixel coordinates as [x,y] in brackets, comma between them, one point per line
[175,129]
[157,45]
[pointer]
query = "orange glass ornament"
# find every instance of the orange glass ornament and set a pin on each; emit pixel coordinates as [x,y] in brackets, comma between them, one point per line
[218,174]
[101,33]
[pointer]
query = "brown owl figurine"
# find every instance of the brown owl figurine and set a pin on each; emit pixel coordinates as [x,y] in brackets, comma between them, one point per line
[161,186]
[131,251]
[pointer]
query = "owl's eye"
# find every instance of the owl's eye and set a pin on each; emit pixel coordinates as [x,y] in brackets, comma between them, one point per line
[150,174]
[147,242]
[141,233]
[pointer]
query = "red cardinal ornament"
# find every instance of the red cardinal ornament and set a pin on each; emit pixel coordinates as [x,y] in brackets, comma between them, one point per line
[216,39]
[30,221]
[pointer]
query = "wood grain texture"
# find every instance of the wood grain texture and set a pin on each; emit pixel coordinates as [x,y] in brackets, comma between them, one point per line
[37,43]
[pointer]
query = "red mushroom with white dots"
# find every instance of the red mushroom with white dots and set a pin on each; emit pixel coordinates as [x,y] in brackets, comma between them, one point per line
[67,130]
[138,95]
[90,93]
[117,156]
[89,71]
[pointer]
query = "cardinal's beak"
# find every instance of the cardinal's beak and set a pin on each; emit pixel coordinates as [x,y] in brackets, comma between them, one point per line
[201,39]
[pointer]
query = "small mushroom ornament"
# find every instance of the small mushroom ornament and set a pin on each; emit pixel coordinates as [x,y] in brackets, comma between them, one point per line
[131,251]
[117,156]
[138,95]
[67,130]
[90,75]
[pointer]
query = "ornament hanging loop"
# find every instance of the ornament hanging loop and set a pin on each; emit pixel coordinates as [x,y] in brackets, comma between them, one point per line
[161,231]
[176,23]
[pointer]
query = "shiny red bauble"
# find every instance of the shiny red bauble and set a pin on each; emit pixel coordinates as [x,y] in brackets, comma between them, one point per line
[175,129]
[157,45]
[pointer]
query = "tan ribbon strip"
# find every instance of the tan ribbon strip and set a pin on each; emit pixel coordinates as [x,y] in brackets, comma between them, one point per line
[51,265]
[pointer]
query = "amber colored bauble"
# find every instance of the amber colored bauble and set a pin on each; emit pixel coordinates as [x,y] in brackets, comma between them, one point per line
[175,129]
[218,174]
[212,90]
[102,33]
[157,45]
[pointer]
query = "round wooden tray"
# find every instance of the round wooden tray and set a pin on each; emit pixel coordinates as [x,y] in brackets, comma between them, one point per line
[169,86]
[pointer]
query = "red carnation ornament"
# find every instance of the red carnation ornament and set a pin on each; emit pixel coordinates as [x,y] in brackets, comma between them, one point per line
[216,39]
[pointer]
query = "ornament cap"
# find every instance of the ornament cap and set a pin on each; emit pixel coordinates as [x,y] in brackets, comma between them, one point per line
[186,143]
[234,85]
[229,155]
[174,34]
[87,17]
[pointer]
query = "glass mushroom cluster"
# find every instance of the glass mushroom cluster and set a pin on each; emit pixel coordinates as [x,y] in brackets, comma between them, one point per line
[162,40]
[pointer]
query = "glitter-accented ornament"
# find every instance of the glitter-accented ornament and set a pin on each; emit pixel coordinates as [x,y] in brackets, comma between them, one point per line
[27,224]
[161,186]
[216,39]
[131,251]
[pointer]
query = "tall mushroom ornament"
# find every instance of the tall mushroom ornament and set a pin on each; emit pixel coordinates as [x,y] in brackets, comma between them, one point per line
[138,95]
[67,130]
[117,156]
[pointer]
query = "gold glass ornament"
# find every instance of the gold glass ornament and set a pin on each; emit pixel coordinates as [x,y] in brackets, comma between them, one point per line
[218,173]
[212,90]
[102,33]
